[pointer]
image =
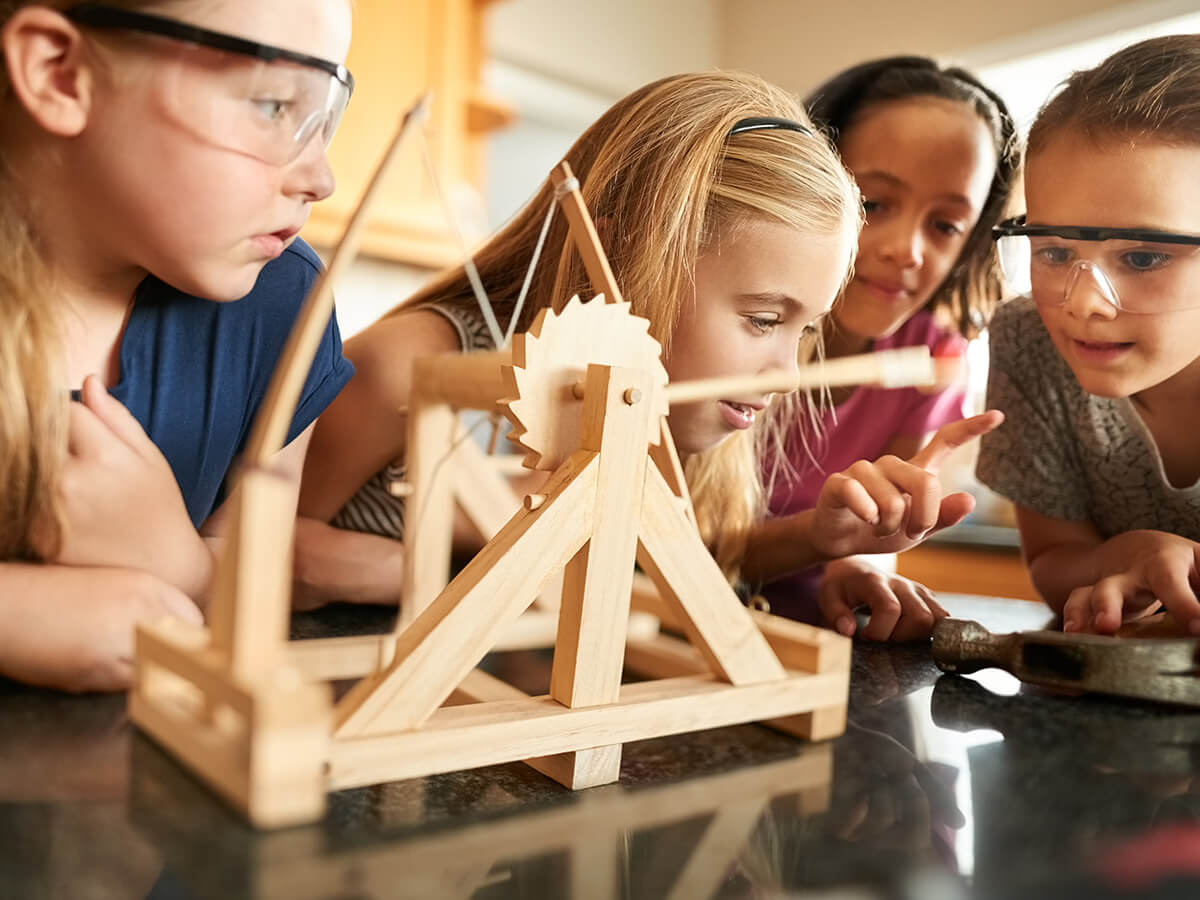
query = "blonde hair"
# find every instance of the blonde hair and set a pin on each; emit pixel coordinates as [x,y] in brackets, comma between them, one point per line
[663,178]
[33,396]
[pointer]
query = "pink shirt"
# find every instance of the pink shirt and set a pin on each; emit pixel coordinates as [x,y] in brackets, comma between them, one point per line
[861,428]
[868,420]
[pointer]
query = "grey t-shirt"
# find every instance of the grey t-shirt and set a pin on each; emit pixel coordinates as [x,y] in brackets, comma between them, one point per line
[1068,454]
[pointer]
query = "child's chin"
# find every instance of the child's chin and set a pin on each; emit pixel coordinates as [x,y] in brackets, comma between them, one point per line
[232,287]
[1112,388]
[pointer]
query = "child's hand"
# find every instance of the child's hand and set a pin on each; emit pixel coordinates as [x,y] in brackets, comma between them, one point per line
[1140,570]
[901,610]
[72,627]
[890,505]
[121,503]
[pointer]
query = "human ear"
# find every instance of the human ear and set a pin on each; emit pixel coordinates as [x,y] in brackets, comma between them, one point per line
[48,68]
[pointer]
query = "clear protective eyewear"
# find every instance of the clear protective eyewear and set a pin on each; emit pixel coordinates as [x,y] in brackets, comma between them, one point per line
[1137,270]
[252,98]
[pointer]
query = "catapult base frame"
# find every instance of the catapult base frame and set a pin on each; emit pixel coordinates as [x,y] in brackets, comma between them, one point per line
[253,715]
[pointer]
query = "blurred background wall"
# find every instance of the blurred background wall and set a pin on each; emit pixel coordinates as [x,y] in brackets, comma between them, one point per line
[518,80]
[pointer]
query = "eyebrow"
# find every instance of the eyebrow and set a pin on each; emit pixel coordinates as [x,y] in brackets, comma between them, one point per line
[892,180]
[775,298]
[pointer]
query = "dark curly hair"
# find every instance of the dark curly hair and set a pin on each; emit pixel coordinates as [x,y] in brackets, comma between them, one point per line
[972,290]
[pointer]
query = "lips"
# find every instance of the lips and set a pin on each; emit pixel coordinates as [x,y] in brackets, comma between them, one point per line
[739,415]
[882,287]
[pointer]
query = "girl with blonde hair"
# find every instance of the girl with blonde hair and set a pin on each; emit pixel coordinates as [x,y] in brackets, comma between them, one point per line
[730,225]
[147,180]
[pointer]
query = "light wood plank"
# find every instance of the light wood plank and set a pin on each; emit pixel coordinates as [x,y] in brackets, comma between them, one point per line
[587,242]
[448,639]
[594,615]
[252,586]
[429,509]
[800,647]
[464,737]
[690,581]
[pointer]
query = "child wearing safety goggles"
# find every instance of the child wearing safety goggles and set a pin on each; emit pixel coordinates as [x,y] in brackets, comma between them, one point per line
[156,163]
[1097,368]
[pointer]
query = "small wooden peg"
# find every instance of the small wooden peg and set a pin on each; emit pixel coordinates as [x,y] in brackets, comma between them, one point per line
[533,501]
[632,396]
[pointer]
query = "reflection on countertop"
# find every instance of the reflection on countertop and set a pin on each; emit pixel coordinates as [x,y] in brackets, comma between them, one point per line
[941,787]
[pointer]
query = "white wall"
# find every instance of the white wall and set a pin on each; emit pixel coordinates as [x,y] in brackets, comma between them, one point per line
[799,43]
[608,47]
[561,63]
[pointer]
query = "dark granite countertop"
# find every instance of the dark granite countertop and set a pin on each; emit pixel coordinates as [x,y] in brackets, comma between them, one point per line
[942,787]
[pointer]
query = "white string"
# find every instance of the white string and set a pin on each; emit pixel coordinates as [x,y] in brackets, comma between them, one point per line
[481,297]
[563,189]
[500,338]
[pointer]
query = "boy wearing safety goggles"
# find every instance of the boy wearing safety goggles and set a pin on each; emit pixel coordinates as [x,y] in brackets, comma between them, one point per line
[1098,368]
[156,162]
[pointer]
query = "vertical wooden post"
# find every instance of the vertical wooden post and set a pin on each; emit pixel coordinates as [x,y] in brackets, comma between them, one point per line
[252,587]
[429,510]
[593,619]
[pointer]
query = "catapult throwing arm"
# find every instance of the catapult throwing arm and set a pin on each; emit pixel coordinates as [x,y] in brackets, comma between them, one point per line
[903,367]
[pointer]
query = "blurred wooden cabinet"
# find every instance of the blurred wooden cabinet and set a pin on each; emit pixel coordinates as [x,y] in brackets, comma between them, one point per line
[400,49]
[957,569]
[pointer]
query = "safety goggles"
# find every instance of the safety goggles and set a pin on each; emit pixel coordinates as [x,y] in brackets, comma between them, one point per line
[256,99]
[1137,270]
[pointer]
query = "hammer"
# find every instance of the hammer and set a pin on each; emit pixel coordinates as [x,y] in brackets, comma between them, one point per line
[1164,670]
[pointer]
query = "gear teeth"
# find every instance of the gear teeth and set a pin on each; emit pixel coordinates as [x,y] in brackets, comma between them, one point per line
[553,353]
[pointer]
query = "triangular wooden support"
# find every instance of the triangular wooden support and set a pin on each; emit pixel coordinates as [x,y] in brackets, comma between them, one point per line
[244,708]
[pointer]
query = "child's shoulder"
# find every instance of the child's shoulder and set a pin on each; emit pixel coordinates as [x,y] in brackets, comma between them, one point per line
[922,329]
[1016,331]
[285,280]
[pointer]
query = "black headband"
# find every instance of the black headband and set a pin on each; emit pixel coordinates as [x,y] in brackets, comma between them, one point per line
[766,123]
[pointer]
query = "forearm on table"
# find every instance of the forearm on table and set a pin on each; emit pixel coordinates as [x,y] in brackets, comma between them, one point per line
[780,546]
[1056,571]
[332,564]
[72,627]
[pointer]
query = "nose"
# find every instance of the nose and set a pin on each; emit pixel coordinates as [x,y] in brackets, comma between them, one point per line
[783,356]
[1087,292]
[900,242]
[309,175]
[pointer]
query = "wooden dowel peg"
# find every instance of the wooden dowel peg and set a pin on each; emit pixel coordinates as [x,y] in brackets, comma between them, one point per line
[533,501]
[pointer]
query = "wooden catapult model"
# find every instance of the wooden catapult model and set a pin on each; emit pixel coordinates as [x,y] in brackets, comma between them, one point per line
[252,713]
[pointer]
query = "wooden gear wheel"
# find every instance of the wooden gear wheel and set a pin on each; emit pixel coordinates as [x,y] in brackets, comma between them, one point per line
[553,356]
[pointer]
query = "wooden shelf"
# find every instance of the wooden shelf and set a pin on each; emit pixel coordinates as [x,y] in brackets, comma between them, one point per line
[400,49]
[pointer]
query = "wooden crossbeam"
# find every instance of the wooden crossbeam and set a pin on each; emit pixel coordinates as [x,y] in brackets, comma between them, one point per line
[466,737]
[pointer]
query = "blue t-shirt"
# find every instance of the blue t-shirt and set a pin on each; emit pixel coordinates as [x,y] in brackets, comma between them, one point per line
[194,372]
